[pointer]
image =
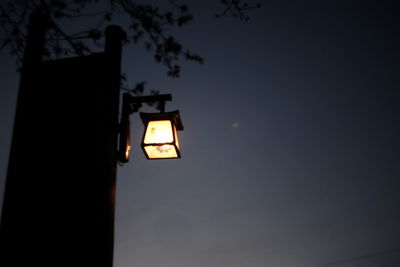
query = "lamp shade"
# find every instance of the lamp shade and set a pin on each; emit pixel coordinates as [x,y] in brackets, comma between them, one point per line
[160,139]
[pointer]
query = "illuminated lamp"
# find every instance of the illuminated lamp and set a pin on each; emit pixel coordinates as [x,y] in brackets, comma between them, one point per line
[160,139]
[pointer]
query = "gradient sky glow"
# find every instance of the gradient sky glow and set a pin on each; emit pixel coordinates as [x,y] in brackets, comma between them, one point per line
[290,153]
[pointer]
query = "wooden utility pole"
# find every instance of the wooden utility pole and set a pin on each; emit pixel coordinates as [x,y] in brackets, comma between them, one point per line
[59,198]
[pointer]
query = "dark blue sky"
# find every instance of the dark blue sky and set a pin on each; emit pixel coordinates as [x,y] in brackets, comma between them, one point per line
[290,148]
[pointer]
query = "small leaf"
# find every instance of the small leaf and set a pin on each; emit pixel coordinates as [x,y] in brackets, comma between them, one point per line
[184,8]
[139,88]
[108,16]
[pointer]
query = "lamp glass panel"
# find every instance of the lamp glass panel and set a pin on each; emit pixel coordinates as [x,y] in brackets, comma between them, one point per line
[159,132]
[176,138]
[161,151]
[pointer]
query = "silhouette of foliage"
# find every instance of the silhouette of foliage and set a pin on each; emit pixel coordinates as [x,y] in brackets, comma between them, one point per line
[147,23]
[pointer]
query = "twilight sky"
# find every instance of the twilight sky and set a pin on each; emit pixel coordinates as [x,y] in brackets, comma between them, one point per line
[290,153]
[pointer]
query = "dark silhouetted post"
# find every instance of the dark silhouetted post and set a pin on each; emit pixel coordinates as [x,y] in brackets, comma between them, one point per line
[59,199]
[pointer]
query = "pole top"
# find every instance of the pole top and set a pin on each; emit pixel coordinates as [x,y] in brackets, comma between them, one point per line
[114,37]
[115,32]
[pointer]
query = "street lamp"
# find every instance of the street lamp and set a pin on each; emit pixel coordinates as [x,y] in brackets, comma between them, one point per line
[160,138]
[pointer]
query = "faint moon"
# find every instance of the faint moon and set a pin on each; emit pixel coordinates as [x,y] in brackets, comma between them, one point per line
[235,125]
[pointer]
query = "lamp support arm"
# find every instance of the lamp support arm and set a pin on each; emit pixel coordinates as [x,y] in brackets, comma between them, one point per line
[132,104]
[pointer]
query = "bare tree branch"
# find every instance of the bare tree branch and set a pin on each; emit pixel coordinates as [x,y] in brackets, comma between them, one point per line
[238,8]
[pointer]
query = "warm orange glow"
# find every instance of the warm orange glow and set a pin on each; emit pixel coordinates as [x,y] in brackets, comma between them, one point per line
[160,140]
[161,151]
[127,151]
[159,132]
